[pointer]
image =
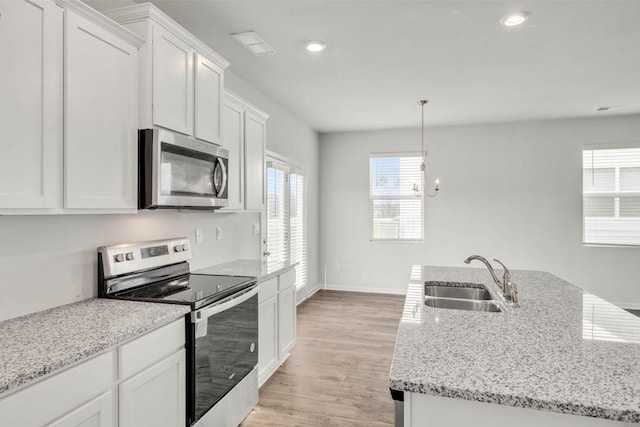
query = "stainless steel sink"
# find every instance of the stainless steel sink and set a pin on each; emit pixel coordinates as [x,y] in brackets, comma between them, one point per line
[460,296]
[463,304]
[440,291]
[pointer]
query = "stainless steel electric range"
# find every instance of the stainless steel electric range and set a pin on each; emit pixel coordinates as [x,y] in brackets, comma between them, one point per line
[221,330]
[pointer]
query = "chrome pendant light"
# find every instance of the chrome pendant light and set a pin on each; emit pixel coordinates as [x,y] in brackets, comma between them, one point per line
[417,189]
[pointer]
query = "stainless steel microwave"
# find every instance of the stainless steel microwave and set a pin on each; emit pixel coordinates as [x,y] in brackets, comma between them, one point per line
[179,172]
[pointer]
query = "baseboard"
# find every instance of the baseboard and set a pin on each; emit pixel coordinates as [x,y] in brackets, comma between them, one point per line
[627,305]
[371,290]
[309,295]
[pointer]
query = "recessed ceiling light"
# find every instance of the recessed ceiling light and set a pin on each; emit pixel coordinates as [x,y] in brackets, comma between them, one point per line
[315,46]
[514,19]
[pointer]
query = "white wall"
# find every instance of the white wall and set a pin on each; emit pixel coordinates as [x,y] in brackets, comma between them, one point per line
[47,261]
[509,191]
[292,138]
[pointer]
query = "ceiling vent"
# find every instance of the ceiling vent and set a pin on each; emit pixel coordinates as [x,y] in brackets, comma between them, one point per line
[254,42]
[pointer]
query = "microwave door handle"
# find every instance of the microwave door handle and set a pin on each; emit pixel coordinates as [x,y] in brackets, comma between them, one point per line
[224,177]
[206,312]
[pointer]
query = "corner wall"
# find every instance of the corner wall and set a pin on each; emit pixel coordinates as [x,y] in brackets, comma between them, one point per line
[509,191]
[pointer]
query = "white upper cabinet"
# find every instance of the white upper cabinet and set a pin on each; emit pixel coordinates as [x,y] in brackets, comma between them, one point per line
[100,143]
[209,93]
[172,82]
[233,124]
[244,130]
[181,79]
[30,104]
[68,110]
[255,145]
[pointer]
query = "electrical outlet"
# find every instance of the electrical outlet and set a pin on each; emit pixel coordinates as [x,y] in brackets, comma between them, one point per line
[218,233]
[256,228]
[337,264]
[199,238]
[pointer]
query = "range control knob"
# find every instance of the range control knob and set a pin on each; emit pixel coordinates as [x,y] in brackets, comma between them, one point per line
[129,256]
[177,248]
[185,247]
[119,257]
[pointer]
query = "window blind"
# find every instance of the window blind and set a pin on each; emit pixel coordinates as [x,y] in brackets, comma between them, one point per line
[396,206]
[298,226]
[287,219]
[611,196]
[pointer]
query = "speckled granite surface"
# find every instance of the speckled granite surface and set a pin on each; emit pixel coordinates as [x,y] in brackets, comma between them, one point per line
[36,344]
[563,350]
[246,267]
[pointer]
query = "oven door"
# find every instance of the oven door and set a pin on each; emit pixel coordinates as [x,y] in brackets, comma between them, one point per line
[183,172]
[224,344]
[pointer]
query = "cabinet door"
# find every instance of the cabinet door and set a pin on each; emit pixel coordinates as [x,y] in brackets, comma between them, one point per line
[30,104]
[209,88]
[286,322]
[255,137]
[100,118]
[156,396]
[97,413]
[233,131]
[172,82]
[267,339]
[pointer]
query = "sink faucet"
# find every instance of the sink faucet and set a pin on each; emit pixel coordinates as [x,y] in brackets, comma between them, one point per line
[509,289]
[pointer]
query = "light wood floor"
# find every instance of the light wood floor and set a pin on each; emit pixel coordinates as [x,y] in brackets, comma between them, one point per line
[338,372]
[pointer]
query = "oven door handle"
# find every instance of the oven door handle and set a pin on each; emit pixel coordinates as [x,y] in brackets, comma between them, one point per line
[225,304]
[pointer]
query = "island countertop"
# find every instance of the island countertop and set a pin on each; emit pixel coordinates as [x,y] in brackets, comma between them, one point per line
[564,350]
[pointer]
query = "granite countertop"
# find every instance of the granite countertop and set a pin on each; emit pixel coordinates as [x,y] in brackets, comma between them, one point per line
[247,267]
[564,350]
[34,345]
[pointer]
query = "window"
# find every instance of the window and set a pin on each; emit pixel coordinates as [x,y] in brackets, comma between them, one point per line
[396,206]
[286,218]
[611,196]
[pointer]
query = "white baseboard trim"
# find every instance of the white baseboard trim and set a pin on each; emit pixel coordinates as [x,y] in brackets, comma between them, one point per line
[371,290]
[627,305]
[309,295]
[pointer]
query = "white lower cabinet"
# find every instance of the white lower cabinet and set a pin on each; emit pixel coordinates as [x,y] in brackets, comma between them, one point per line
[276,323]
[267,338]
[146,374]
[97,413]
[286,322]
[155,397]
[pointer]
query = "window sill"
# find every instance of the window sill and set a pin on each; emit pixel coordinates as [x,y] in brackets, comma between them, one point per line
[609,245]
[397,240]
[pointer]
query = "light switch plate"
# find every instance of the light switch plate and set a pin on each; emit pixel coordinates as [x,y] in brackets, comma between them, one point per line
[199,235]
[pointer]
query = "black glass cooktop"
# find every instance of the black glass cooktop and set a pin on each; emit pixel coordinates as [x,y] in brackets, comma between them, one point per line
[193,289]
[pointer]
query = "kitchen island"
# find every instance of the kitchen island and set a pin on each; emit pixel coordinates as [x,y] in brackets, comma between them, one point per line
[563,358]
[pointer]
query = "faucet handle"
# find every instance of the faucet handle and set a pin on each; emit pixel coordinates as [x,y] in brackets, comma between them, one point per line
[506,278]
[514,295]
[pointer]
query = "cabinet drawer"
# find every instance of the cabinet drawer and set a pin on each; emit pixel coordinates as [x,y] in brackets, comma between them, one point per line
[143,352]
[268,288]
[56,396]
[286,280]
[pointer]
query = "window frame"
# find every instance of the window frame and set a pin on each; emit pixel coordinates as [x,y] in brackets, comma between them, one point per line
[290,167]
[395,154]
[604,194]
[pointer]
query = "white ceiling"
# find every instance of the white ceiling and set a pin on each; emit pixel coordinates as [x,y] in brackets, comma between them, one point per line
[568,59]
